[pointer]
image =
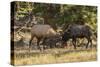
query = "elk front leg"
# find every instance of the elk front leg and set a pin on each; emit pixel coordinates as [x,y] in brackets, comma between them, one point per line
[30,42]
[38,43]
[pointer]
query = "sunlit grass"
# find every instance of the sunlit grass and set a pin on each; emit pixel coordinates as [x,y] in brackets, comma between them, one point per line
[74,56]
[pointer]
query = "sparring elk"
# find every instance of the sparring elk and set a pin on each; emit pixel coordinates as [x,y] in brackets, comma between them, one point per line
[77,31]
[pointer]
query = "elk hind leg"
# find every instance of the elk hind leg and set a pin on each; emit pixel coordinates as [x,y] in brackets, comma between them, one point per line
[74,43]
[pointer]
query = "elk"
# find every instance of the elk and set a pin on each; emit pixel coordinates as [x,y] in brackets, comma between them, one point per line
[77,31]
[41,32]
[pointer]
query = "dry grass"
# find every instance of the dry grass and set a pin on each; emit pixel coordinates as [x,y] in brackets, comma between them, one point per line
[24,57]
[56,57]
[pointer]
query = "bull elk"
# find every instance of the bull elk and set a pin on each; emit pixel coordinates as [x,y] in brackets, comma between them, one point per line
[41,32]
[77,31]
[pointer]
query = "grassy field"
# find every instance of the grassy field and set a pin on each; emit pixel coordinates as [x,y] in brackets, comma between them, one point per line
[50,56]
[22,56]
